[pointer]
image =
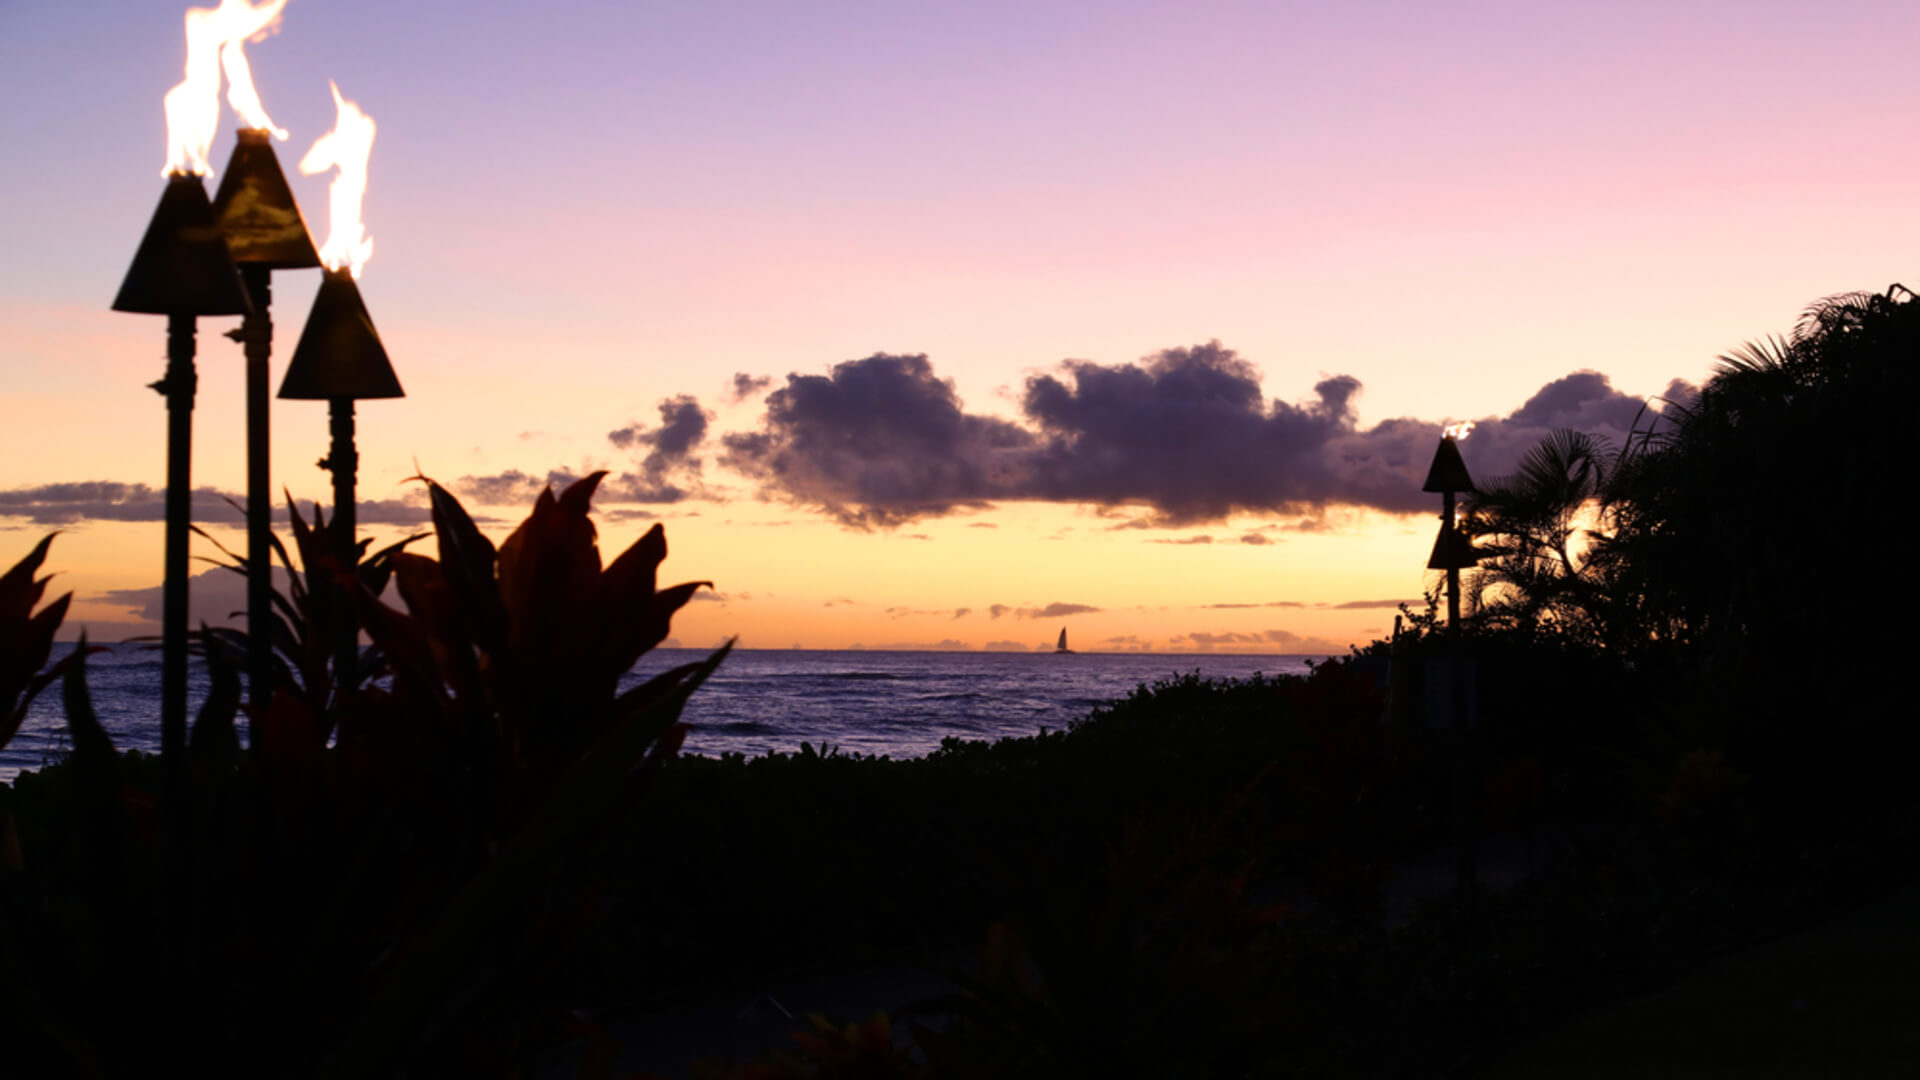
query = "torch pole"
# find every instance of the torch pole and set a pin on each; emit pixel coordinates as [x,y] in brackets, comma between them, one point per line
[257,332]
[1466,869]
[344,461]
[178,386]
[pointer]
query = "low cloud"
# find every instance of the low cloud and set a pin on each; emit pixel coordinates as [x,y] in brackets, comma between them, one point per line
[1186,434]
[1054,610]
[745,386]
[109,500]
[1263,641]
[1008,646]
[509,488]
[670,470]
[878,442]
[1269,603]
[1361,605]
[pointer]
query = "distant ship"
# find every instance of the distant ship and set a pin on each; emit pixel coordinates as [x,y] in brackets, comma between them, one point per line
[1061,649]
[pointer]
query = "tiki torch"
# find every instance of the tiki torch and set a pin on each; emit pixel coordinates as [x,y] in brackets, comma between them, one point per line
[183,270]
[340,358]
[262,223]
[1451,552]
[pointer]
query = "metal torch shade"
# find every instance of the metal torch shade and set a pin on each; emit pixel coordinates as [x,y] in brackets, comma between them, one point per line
[255,209]
[183,266]
[1452,550]
[340,355]
[1449,472]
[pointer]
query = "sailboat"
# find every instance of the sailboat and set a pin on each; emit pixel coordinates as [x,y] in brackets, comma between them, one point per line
[1061,649]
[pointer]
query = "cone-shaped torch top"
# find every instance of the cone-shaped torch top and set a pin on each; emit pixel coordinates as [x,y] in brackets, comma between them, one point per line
[183,266]
[1448,472]
[1452,550]
[340,354]
[255,209]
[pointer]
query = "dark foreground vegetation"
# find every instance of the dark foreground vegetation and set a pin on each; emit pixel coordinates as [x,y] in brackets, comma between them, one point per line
[1689,695]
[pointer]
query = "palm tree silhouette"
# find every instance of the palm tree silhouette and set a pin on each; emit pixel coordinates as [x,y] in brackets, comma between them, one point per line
[1543,562]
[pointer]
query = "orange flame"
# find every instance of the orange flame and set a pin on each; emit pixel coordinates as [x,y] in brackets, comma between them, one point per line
[1457,431]
[214,39]
[346,148]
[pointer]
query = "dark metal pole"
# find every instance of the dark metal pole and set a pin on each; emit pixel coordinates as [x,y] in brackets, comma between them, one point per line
[344,461]
[256,331]
[178,386]
[1466,869]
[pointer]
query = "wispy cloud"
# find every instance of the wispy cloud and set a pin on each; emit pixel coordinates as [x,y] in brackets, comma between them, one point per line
[1362,605]
[109,500]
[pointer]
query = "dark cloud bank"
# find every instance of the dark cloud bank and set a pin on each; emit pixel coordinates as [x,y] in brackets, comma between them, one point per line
[1185,434]
[110,500]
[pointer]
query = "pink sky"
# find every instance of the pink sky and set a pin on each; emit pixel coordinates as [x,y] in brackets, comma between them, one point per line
[1454,204]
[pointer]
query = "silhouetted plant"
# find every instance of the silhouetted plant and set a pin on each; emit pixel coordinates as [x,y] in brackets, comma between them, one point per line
[306,615]
[350,906]
[26,638]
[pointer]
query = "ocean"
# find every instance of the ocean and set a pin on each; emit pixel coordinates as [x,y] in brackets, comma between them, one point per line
[900,704]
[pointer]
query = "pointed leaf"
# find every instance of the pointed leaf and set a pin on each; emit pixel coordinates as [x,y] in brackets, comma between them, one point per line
[90,741]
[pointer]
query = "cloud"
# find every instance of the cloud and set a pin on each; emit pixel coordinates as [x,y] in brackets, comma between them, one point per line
[1187,540]
[1255,539]
[878,442]
[1269,603]
[1360,605]
[670,459]
[509,488]
[903,612]
[213,595]
[216,596]
[1054,610]
[398,512]
[109,500]
[1008,646]
[961,613]
[629,514]
[1266,641]
[1186,434]
[745,386]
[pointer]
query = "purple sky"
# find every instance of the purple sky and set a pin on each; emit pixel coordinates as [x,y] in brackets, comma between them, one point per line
[577,220]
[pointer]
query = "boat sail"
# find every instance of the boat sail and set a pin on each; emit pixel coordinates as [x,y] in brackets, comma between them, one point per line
[1061,649]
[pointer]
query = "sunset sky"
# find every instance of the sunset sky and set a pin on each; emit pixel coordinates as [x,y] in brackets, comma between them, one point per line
[950,325]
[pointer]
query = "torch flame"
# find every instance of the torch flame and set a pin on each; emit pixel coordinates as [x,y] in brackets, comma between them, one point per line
[214,38]
[346,148]
[1457,431]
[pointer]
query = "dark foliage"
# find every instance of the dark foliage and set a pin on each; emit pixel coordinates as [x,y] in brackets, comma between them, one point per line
[386,879]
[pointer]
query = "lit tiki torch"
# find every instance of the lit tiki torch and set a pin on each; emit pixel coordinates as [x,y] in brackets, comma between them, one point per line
[1452,552]
[256,212]
[340,358]
[183,270]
